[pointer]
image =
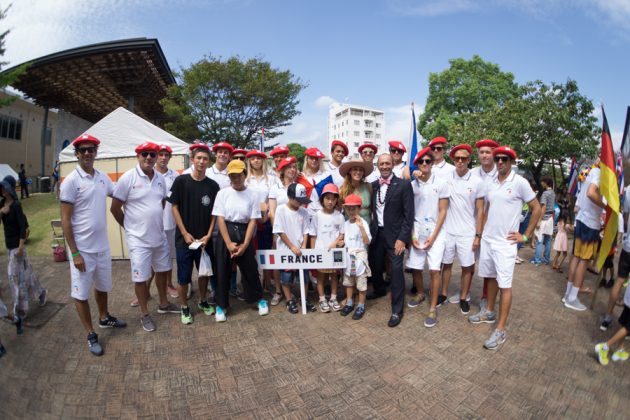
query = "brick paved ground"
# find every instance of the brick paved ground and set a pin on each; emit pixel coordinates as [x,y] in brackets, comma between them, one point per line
[317,365]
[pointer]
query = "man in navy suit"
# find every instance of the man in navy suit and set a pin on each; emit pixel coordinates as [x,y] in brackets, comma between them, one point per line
[391,224]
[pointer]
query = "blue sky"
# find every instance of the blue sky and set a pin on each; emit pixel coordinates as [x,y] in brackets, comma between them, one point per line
[373,53]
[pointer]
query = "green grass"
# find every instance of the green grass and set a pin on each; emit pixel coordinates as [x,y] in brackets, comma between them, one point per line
[40,209]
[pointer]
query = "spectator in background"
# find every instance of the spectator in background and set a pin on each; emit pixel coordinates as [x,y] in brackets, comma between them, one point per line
[545,224]
[23,182]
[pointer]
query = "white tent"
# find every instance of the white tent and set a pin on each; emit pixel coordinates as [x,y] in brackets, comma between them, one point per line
[120,132]
[6,169]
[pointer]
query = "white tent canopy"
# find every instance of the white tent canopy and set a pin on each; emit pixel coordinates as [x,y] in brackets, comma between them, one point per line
[5,170]
[120,132]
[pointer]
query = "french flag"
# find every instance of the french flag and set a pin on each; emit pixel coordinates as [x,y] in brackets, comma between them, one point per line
[272,259]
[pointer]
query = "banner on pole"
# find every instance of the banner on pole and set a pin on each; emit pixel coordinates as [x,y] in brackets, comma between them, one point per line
[275,259]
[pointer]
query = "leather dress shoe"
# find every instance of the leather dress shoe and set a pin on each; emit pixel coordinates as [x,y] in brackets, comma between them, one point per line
[394,320]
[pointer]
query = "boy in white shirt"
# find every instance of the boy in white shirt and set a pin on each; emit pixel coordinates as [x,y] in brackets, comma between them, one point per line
[357,238]
[292,225]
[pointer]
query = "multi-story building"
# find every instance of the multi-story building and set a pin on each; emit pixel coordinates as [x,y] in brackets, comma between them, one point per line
[356,125]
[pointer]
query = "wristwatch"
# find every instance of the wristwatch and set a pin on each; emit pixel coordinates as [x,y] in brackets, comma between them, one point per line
[478,235]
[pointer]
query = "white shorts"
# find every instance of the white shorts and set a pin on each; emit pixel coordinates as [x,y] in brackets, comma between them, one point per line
[496,261]
[433,256]
[170,239]
[144,259]
[460,246]
[98,273]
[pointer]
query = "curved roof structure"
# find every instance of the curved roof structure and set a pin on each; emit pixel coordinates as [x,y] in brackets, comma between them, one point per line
[92,81]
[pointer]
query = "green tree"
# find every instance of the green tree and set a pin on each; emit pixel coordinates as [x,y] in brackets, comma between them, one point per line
[9,77]
[457,95]
[231,100]
[297,150]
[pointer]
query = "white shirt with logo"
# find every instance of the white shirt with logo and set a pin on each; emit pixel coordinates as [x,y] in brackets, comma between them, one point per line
[220,177]
[142,200]
[442,169]
[353,239]
[237,206]
[327,228]
[589,213]
[505,202]
[88,196]
[465,190]
[278,192]
[479,172]
[294,223]
[426,200]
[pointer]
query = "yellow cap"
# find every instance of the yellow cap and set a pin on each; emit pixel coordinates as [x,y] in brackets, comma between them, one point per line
[236,167]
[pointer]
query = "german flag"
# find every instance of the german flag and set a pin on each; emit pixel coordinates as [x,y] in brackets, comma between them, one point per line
[609,188]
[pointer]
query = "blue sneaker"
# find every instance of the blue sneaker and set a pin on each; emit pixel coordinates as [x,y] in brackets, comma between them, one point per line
[219,315]
[93,344]
[431,320]
[263,308]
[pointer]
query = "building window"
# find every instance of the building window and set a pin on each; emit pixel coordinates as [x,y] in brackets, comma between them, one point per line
[356,144]
[10,128]
[357,134]
[368,134]
[356,112]
[368,123]
[378,125]
[357,122]
[378,136]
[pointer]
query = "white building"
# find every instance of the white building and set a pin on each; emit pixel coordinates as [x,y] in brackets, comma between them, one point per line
[356,125]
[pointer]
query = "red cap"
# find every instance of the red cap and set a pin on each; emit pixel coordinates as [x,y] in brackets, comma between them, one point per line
[353,200]
[437,140]
[279,150]
[223,145]
[339,143]
[368,146]
[465,147]
[165,147]
[397,145]
[239,152]
[203,146]
[504,150]
[314,152]
[486,143]
[330,188]
[86,138]
[147,147]
[253,153]
[421,153]
[286,162]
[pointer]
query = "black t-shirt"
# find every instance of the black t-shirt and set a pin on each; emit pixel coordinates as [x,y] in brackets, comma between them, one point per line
[194,200]
[15,224]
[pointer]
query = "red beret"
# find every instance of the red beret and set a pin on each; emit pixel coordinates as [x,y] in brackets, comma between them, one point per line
[437,140]
[253,153]
[339,143]
[314,152]
[86,138]
[504,150]
[368,146]
[465,147]
[223,145]
[286,162]
[165,147]
[279,150]
[203,146]
[486,143]
[421,153]
[147,147]
[397,145]
[239,152]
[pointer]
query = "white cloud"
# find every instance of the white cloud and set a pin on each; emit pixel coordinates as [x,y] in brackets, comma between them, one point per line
[398,122]
[324,101]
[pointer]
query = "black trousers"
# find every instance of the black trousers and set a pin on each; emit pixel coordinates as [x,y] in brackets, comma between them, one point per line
[250,279]
[378,250]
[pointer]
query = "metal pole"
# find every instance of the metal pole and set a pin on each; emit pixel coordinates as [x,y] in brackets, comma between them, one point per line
[130,103]
[42,159]
[302,292]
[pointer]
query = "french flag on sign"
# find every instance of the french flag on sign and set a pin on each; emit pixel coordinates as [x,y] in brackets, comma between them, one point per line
[272,259]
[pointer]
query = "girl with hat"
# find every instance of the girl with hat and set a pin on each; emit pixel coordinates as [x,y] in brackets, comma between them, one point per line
[354,174]
[313,172]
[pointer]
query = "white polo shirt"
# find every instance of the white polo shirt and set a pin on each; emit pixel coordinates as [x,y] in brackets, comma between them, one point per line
[334,171]
[442,169]
[294,223]
[398,169]
[168,219]
[88,196]
[142,198]
[220,177]
[465,190]
[589,213]
[237,206]
[505,201]
[279,193]
[261,186]
[426,200]
[373,176]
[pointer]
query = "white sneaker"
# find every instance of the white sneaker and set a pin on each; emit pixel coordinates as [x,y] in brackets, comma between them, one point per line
[263,309]
[455,298]
[219,315]
[575,304]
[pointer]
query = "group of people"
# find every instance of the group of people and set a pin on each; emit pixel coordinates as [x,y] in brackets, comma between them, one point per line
[215,216]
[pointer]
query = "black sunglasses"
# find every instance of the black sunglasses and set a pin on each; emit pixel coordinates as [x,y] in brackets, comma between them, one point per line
[423,161]
[460,158]
[239,158]
[501,158]
[150,154]
[83,150]
[436,148]
[396,151]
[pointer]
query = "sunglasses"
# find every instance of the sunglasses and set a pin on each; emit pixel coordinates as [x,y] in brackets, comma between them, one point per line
[437,148]
[425,161]
[368,152]
[400,152]
[83,150]
[501,158]
[460,158]
[149,154]
[238,158]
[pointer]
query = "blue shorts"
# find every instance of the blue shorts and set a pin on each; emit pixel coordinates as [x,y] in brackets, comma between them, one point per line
[185,259]
[288,277]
